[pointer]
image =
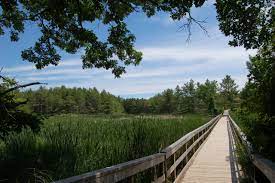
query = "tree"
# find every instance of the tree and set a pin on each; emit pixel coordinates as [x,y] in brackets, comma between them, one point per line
[189,94]
[228,89]
[168,101]
[179,100]
[257,105]
[12,116]
[261,77]
[207,92]
[250,23]
[68,26]
[92,101]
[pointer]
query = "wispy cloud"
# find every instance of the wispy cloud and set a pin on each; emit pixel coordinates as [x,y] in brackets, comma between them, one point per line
[163,67]
[182,53]
[19,69]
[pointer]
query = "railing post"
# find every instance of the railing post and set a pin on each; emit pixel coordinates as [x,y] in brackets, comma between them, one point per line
[193,149]
[186,157]
[132,179]
[165,168]
[175,171]
[155,173]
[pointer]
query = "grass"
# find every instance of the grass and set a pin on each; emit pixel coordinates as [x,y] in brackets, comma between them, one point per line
[68,145]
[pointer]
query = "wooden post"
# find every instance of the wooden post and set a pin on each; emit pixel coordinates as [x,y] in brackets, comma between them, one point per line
[186,157]
[164,171]
[132,180]
[175,171]
[193,149]
[155,173]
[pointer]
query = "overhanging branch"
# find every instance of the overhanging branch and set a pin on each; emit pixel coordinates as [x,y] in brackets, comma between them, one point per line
[20,86]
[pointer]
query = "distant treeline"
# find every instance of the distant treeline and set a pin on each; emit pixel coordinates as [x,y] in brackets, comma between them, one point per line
[72,100]
[191,97]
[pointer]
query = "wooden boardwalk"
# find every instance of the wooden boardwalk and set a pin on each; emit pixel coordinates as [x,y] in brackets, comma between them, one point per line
[215,161]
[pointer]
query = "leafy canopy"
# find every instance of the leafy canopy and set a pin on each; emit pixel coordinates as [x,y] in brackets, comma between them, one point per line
[248,22]
[67,25]
[13,117]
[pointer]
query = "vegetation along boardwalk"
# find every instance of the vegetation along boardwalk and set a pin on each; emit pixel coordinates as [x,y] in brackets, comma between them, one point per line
[214,162]
[207,154]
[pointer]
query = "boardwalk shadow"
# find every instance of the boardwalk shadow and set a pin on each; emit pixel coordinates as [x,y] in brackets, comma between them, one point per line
[234,166]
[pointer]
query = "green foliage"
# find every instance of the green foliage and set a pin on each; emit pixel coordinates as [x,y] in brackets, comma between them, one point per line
[250,23]
[168,101]
[256,114]
[68,26]
[261,77]
[72,100]
[207,93]
[229,91]
[13,117]
[136,106]
[68,145]
[189,98]
[246,164]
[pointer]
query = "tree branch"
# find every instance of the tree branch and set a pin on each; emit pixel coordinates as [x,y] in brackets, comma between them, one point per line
[20,86]
[187,26]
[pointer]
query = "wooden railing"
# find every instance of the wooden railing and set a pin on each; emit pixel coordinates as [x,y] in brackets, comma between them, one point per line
[265,166]
[166,166]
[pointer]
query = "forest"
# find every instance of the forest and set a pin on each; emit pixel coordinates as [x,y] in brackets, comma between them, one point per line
[47,134]
[208,97]
[75,130]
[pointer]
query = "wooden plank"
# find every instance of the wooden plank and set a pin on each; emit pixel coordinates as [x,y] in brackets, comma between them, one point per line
[188,164]
[160,179]
[180,159]
[266,166]
[118,172]
[179,143]
[212,162]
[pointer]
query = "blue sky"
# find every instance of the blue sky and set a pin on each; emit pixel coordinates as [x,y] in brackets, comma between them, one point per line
[168,59]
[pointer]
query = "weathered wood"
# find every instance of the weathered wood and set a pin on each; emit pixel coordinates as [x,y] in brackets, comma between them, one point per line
[211,162]
[170,150]
[188,164]
[175,170]
[117,172]
[160,179]
[181,158]
[266,166]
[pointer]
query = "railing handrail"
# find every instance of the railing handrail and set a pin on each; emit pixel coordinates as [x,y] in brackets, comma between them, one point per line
[178,144]
[114,172]
[266,166]
[242,136]
[124,170]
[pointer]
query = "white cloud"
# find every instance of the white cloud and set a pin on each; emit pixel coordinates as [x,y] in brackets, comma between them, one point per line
[27,68]
[164,20]
[184,53]
[59,78]
[170,66]
[19,69]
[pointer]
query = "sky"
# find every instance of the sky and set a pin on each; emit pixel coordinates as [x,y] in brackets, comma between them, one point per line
[168,58]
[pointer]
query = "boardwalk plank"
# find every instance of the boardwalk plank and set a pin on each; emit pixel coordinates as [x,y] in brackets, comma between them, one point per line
[213,162]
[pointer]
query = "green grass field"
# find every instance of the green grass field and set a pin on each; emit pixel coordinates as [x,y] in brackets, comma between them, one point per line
[68,145]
